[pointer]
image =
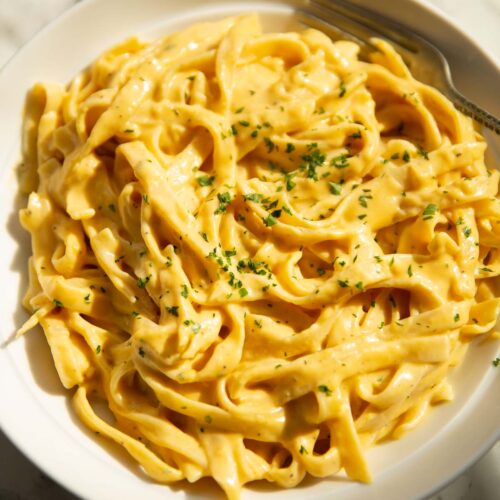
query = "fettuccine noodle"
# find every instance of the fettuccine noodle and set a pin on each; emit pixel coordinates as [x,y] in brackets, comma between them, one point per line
[262,253]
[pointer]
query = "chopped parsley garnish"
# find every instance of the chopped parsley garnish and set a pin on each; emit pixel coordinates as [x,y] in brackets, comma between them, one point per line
[395,156]
[496,362]
[254,134]
[289,148]
[325,389]
[234,130]
[335,188]
[486,270]
[340,161]
[145,197]
[98,349]
[423,152]
[173,310]
[320,271]
[342,89]
[255,197]
[135,314]
[243,292]
[362,200]
[184,291]
[224,201]
[206,180]
[359,285]
[240,110]
[58,303]
[142,282]
[356,135]
[313,160]
[343,283]
[409,271]
[269,144]
[377,258]
[204,236]
[208,419]
[169,262]
[289,182]
[406,156]
[429,211]
[270,220]
[460,221]
[141,352]
[87,298]
[456,317]
[467,231]
[112,207]
[302,450]
[244,123]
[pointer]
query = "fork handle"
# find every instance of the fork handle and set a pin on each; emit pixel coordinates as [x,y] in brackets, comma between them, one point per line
[470,109]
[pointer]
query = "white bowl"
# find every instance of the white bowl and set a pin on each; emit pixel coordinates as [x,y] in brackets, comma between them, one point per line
[34,409]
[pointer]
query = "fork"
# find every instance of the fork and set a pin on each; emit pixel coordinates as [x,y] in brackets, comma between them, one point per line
[341,19]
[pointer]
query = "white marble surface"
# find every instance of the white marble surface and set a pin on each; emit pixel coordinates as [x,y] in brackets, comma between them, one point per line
[19,20]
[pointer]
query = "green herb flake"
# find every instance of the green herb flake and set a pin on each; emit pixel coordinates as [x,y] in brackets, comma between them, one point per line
[456,317]
[429,211]
[173,310]
[269,220]
[87,298]
[206,180]
[145,197]
[208,419]
[486,270]
[339,161]
[142,282]
[244,123]
[224,201]
[342,89]
[255,197]
[496,362]
[98,349]
[409,271]
[467,231]
[289,181]
[335,188]
[290,148]
[406,156]
[343,283]
[325,389]
[141,352]
[302,450]
[424,153]
[359,285]
[269,144]
[184,291]
[58,303]
[243,292]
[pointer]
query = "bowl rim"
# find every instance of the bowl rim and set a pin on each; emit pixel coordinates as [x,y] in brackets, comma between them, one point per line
[22,445]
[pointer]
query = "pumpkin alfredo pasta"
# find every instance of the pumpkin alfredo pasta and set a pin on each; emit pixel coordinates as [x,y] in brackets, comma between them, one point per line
[262,253]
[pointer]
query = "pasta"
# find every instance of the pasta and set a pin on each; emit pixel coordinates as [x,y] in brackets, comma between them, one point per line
[262,253]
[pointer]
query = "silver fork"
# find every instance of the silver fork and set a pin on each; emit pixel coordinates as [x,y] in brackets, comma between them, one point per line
[341,19]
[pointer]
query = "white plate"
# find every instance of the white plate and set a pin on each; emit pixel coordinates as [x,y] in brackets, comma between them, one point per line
[34,409]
